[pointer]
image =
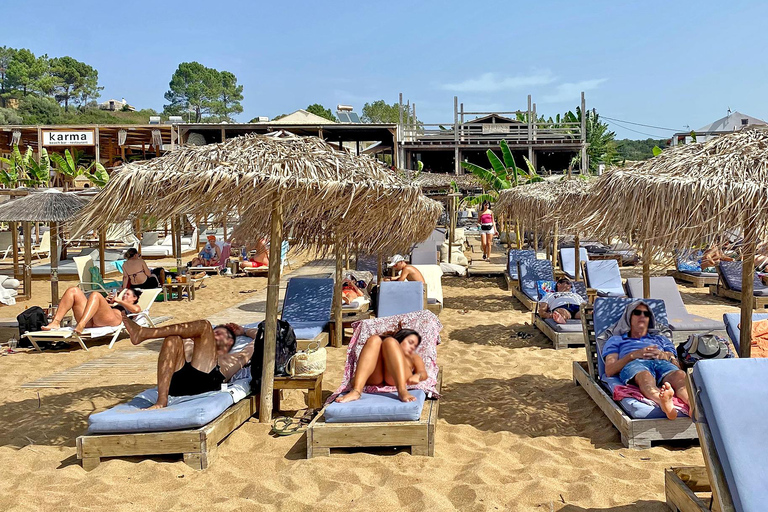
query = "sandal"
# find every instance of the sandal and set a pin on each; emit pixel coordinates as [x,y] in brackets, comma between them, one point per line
[287,426]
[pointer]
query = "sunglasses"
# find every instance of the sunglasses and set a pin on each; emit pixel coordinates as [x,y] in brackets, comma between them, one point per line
[638,312]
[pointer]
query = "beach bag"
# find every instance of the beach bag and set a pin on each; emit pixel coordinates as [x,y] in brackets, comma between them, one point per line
[30,320]
[285,349]
[702,346]
[309,362]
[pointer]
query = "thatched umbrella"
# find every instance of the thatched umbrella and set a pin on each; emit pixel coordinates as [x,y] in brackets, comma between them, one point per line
[689,193]
[51,206]
[325,197]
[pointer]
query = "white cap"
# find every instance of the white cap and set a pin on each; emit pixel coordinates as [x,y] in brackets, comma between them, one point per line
[395,260]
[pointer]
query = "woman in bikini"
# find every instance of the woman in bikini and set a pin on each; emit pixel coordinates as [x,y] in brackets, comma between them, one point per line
[94,310]
[258,257]
[487,228]
[136,274]
[388,360]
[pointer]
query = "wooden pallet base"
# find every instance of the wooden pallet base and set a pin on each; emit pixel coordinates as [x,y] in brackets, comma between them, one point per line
[522,297]
[721,291]
[197,446]
[559,339]
[687,489]
[418,435]
[697,281]
[436,308]
[638,434]
[511,283]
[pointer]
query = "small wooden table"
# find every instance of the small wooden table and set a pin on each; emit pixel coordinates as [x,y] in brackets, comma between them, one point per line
[180,288]
[313,384]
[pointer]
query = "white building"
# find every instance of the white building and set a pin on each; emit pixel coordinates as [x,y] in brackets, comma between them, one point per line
[732,122]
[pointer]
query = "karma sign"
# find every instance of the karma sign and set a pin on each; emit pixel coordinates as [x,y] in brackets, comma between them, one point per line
[68,138]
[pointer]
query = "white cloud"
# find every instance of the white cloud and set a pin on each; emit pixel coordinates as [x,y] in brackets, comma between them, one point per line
[571,91]
[492,82]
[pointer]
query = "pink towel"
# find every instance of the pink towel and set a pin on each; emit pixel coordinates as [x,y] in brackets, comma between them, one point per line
[424,322]
[630,391]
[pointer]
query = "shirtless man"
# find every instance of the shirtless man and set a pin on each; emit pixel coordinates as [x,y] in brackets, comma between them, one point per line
[195,357]
[407,272]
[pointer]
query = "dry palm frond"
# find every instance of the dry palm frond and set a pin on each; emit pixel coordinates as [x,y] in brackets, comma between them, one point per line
[543,204]
[49,205]
[326,194]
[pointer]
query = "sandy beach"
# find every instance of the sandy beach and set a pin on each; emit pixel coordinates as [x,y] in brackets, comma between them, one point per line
[514,432]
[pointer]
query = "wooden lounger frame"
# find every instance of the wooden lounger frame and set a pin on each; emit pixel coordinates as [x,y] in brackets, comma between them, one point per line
[681,483]
[721,290]
[418,435]
[518,293]
[197,446]
[697,281]
[635,433]
[559,339]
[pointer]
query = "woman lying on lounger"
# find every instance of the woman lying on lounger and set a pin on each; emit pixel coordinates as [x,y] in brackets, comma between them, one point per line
[561,305]
[258,257]
[95,310]
[388,360]
[639,354]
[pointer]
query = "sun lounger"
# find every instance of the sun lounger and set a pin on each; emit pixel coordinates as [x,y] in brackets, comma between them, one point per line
[639,423]
[259,271]
[425,253]
[513,256]
[732,321]
[729,284]
[379,418]
[604,277]
[433,275]
[688,269]
[529,273]
[568,260]
[682,323]
[564,335]
[307,307]
[68,334]
[731,428]
[165,247]
[400,297]
[91,279]
[217,269]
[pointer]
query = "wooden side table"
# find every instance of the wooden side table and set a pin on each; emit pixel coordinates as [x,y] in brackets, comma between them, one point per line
[313,385]
[179,288]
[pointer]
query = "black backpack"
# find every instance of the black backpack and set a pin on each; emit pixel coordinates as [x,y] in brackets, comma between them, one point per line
[285,349]
[30,320]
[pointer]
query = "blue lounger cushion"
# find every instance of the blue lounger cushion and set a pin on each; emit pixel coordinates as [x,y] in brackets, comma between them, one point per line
[307,305]
[606,313]
[400,297]
[731,271]
[734,403]
[376,407]
[183,412]
[572,325]
[732,321]
[678,318]
[532,271]
[605,277]
[568,259]
[516,255]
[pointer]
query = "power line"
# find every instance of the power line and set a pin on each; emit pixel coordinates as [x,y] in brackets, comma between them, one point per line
[641,124]
[653,136]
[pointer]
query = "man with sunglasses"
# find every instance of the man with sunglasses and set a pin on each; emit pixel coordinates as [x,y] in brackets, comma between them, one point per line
[640,355]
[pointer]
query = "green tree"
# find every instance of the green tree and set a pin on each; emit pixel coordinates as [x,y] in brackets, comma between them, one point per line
[634,150]
[70,166]
[25,71]
[6,56]
[14,172]
[380,112]
[193,86]
[321,111]
[502,175]
[602,141]
[37,173]
[9,116]
[74,80]
[228,97]
[39,110]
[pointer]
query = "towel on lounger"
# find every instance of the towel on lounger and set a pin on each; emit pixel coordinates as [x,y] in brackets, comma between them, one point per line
[759,338]
[424,322]
[630,391]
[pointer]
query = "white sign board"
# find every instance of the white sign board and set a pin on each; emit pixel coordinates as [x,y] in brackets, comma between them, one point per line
[495,128]
[68,138]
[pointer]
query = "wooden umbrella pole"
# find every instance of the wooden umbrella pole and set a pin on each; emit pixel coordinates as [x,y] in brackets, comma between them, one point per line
[15,241]
[102,250]
[27,260]
[270,322]
[357,257]
[647,270]
[554,247]
[451,227]
[577,257]
[54,263]
[380,269]
[224,222]
[517,235]
[137,232]
[338,331]
[177,240]
[535,239]
[747,288]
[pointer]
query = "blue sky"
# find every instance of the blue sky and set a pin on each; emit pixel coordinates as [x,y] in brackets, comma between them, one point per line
[666,64]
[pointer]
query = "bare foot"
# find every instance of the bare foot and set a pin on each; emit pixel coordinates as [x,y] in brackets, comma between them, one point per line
[558,317]
[349,397]
[79,329]
[666,393]
[55,324]
[405,396]
[134,330]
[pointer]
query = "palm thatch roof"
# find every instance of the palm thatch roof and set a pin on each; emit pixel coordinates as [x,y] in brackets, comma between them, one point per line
[49,205]
[433,180]
[326,194]
[687,193]
[544,203]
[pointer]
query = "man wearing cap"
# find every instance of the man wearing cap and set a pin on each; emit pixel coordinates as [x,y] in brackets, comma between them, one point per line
[407,272]
[210,255]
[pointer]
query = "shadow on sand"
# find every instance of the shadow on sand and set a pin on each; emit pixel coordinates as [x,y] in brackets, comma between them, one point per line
[499,335]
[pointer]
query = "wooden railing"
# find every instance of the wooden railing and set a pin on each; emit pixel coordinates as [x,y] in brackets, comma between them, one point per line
[511,132]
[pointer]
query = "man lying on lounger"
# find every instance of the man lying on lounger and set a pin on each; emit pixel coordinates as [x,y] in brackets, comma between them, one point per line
[407,272]
[562,304]
[195,357]
[639,354]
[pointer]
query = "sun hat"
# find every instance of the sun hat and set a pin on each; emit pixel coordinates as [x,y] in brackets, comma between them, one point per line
[397,258]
